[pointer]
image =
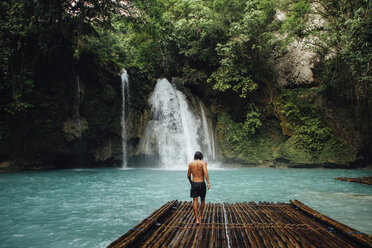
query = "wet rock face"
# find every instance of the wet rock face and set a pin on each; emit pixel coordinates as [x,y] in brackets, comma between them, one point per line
[295,68]
[5,164]
[104,152]
[74,128]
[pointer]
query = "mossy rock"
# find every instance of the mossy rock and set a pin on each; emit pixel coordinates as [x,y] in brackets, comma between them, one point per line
[292,152]
[258,148]
[338,153]
[332,153]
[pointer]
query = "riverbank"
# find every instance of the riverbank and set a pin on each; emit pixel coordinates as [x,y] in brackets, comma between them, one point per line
[281,164]
[11,167]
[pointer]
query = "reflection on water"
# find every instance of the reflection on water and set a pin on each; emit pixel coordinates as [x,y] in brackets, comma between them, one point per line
[93,207]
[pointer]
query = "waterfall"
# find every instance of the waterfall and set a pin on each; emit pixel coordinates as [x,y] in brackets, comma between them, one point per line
[209,137]
[190,125]
[125,103]
[176,128]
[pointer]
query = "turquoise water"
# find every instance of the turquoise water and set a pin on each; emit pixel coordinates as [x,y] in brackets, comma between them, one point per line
[93,207]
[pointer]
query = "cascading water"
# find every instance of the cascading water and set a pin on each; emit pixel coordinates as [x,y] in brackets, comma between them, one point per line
[125,101]
[209,136]
[190,125]
[175,130]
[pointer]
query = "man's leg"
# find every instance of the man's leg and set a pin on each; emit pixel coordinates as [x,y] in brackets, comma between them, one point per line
[202,205]
[195,206]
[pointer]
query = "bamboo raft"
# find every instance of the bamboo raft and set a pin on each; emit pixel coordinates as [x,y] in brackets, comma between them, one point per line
[241,225]
[364,180]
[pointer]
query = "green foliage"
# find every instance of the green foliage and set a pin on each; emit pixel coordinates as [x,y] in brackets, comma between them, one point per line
[310,133]
[239,143]
[142,40]
[297,20]
[252,122]
[229,11]
[236,131]
[46,45]
[193,76]
[227,42]
[106,44]
[342,39]
[196,30]
[244,58]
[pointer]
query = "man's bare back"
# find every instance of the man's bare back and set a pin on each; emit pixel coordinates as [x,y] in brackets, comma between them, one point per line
[198,169]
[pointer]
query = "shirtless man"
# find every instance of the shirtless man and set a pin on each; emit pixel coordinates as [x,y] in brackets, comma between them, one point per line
[198,169]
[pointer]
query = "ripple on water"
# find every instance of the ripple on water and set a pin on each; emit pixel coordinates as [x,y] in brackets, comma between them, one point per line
[93,207]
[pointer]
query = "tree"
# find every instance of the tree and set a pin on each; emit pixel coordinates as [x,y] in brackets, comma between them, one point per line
[244,58]
[342,39]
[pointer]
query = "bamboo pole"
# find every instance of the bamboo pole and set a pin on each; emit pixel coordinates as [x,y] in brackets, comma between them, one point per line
[364,180]
[179,241]
[252,241]
[247,224]
[261,231]
[362,238]
[252,220]
[147,223]
[175,232]
[160,231]
[212,221]
[242,231]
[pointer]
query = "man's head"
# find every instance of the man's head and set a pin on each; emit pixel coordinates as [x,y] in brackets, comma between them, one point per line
[198,155]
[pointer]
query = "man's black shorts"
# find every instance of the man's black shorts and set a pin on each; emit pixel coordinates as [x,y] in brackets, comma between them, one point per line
[198,189]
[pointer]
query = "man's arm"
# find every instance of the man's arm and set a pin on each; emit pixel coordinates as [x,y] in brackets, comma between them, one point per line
[206,174]
[189,174]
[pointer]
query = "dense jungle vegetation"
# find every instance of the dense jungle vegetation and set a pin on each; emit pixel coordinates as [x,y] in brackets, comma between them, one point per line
[224,50]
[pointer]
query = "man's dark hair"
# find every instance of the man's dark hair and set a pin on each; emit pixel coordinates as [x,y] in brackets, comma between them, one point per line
[198,155]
